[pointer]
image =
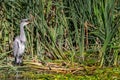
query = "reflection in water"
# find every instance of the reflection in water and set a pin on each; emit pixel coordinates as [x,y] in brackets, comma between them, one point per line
[13,73]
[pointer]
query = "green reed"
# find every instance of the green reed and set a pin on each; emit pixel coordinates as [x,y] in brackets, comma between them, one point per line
[63,29]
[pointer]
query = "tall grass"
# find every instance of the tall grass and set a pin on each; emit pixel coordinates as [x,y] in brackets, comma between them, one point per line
[63,29]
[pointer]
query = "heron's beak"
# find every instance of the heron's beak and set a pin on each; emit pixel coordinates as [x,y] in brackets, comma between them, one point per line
[28,21]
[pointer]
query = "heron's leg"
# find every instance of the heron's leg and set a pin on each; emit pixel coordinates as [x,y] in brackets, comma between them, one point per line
[15,61]
[20,60]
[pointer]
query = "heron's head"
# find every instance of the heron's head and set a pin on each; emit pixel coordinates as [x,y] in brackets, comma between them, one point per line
[24,22]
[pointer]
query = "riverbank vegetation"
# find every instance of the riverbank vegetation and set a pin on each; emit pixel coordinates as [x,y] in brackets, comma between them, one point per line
[64,32]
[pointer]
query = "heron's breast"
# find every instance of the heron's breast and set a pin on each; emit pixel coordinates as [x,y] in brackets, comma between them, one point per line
[21,48]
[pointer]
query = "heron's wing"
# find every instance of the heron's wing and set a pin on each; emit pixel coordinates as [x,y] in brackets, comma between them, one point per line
[15,47]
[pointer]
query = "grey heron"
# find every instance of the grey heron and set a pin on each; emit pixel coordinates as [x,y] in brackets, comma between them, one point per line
[19,43]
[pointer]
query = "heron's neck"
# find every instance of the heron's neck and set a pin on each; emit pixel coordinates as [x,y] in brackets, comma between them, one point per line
[22,34]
